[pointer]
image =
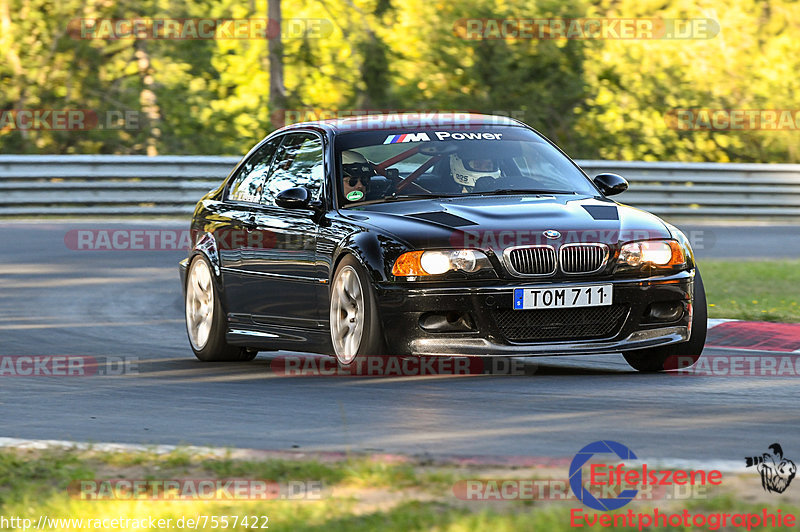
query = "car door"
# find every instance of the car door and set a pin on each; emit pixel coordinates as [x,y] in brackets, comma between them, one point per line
[235,230]
[284,286]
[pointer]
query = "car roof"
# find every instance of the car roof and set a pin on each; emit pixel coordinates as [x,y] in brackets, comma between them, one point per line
[406,120]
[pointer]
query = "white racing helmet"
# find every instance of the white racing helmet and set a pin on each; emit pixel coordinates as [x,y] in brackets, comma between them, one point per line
[466,171]
[352,157]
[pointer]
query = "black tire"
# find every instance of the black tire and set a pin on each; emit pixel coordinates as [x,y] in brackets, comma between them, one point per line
[215,348]
[370,339]
[676,356]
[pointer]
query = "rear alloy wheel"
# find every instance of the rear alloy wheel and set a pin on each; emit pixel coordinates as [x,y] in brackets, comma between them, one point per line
[684,354]
[354,323]
[205,319]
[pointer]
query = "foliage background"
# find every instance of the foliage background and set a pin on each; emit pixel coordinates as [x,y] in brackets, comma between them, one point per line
[598,99]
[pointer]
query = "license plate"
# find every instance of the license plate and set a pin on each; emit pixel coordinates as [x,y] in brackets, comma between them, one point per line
[564,297]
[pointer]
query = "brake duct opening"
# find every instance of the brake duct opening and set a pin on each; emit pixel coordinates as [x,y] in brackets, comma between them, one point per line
[449,321]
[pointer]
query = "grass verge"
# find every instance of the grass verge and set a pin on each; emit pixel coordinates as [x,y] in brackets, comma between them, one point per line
[359,494]
[753,290]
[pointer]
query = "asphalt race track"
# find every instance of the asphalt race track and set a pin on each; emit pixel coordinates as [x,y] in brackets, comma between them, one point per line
[126,305]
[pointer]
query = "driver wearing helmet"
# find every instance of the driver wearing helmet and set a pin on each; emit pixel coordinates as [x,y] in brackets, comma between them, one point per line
[466,171]
[357,172]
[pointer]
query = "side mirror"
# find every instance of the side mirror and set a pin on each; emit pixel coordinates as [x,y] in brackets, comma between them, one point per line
[611,184]
[293,198]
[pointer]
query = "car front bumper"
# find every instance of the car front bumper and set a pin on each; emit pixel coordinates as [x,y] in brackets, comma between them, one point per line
[183,267]
[402,307]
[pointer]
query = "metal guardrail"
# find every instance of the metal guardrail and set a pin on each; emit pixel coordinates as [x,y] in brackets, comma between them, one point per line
[712,190]
[107,184]
[81,185]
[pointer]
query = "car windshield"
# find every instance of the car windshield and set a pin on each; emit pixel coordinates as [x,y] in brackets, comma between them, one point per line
[379,166]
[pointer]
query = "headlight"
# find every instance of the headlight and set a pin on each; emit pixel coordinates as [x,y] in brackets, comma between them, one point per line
[658,253]
[678,235]
[437,262]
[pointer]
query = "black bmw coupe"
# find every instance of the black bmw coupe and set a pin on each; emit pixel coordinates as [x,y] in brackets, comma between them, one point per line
[441,234]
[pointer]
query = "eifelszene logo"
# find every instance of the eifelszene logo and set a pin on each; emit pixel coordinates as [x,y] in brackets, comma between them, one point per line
[615,476]
[776,471]
[576,475]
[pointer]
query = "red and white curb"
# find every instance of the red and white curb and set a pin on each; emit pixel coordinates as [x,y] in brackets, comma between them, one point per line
[754,336]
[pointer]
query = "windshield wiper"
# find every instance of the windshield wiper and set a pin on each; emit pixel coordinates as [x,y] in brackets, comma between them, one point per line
[398,197]
[403,197]
[512,191]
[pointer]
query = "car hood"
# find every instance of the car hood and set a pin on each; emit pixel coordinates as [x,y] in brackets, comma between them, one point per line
[498,222]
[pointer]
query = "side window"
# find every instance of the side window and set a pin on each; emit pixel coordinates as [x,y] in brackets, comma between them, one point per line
[298,164]
[248,184]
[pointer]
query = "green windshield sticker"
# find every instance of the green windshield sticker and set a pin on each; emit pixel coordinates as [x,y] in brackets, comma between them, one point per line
[355,195]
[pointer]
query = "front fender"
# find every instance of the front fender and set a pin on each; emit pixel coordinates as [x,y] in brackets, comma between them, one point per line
[206,246]
[376,252]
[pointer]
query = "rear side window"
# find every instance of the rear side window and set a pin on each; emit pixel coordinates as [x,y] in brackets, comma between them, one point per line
[299,163]
[248,185]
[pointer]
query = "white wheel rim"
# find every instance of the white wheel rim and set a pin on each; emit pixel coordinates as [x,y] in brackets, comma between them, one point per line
[199,304]
[347,315]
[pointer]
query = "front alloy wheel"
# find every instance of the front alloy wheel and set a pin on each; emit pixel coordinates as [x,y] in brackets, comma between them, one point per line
[354,323]
[347,315]
[205,320]
[199,304]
